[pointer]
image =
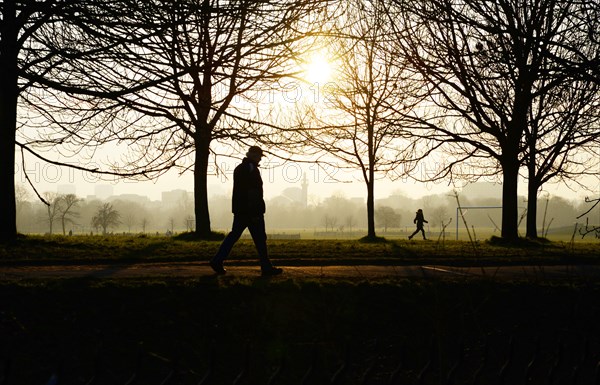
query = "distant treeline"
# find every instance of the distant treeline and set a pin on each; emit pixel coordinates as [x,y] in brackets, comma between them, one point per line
[334,214]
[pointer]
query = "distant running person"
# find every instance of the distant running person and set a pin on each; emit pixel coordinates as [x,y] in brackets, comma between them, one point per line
[248,207]
[419,220]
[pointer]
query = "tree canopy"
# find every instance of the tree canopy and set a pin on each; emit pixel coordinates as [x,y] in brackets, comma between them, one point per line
[134,89]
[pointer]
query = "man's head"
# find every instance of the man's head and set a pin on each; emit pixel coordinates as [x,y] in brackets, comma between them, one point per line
[254,153]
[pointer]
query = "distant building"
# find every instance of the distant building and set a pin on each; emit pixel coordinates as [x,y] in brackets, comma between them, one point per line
[304,199]
[65,189]
[175,197]
[215,190]
[131,198]
[297,195]
[103,191]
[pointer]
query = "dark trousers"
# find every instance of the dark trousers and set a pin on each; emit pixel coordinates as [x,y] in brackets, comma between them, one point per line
[256,226]
[419,228]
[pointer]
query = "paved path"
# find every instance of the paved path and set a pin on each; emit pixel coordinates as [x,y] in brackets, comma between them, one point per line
[200,269]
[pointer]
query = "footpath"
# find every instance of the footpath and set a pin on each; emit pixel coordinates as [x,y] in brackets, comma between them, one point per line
[201,269]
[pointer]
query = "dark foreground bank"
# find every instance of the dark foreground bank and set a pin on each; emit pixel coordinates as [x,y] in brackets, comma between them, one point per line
[290,331]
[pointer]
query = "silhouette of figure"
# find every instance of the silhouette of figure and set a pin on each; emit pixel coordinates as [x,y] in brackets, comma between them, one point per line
[248,207]
[419,220]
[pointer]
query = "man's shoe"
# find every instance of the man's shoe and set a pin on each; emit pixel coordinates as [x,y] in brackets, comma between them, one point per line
[272,271]
[217,267]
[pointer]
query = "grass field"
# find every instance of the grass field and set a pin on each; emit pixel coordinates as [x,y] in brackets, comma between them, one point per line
[84,249]
[560,234]
[366,331]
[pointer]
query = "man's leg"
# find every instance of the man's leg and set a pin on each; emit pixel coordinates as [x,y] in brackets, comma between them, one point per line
[257,229]
[259,236]
[238,227]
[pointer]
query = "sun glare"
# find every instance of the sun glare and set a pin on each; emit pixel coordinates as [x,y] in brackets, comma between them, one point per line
[318,70]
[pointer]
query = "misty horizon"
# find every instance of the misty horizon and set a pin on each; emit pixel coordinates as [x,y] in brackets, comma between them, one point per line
[321,183]
[336,215]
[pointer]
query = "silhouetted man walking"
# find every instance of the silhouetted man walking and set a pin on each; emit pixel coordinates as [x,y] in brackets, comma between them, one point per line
[248,207]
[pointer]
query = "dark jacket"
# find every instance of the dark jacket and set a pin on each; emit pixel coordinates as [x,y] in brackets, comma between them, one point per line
[247,196]
[419,219]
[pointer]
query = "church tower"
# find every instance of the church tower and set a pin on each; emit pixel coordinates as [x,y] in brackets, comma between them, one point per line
[304,191]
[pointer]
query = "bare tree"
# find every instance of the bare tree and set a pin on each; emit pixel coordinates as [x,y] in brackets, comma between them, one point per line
[41,44]
[189,222]
[484,65]
[53,208]
[19,20]
[144,223]
[438,215]
[208,61]
[68,202]
[106,217]
[21,196]
[593,228]
[350,222]
[562,139]
[387,217]
[330,222]
[362,122]
[23,207]
[129,221]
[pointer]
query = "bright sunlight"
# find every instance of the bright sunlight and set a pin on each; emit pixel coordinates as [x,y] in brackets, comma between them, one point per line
[318,70]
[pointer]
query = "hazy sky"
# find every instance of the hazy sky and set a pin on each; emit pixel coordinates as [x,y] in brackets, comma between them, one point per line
[277,175]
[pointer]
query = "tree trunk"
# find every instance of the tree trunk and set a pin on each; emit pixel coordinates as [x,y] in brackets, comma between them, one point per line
[532,211]
[371,183]
[510,208]
[371,208]
[8,121]
[201,211]
[532,191]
